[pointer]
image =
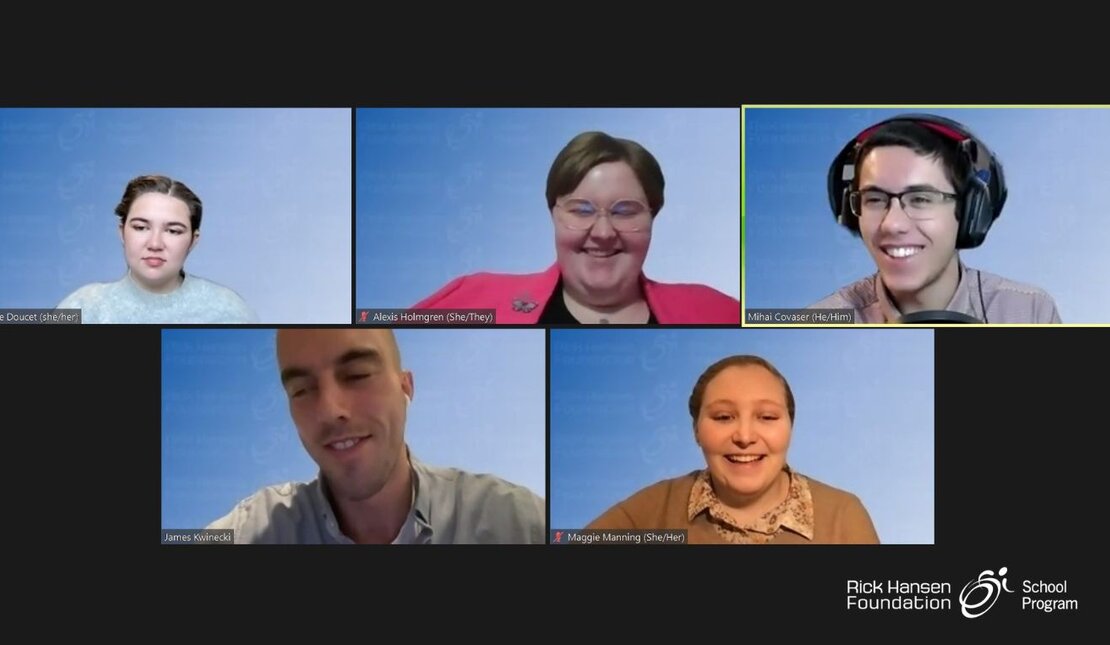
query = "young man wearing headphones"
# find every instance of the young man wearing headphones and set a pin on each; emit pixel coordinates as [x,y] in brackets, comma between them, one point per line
[349,398]
[917,188]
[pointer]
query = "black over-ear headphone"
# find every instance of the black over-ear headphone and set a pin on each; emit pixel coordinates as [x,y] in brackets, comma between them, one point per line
[983,196]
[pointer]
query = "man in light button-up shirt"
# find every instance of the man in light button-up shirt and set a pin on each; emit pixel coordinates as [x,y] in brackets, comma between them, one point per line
[917,189]
[349,396]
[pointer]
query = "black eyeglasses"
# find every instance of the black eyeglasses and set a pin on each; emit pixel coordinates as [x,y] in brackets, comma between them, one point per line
[917,203]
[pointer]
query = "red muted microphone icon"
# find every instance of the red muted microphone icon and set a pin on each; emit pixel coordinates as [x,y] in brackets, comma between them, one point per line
[362,316]
[558,536]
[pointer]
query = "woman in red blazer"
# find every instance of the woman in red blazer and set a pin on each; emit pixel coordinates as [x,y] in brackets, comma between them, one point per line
[604,194]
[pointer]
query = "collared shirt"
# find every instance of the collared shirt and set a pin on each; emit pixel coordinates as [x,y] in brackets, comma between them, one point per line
[795,513]
[449,506]
[1005,301]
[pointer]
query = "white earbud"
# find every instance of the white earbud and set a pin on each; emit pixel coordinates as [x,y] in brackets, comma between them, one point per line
[408,399]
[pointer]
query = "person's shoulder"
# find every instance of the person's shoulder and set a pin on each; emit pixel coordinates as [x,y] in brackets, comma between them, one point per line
[1023,302]
[840,516]
[225,305]
[85,296]
[213,288]
[690,302]
[256,518]
[830,496]
[475,289]
[509,512]
[641,509]
[485,487]
[700,293]
[857,295]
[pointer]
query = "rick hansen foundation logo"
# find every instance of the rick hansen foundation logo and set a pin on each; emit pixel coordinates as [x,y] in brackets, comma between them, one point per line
[977,597]
[974,604]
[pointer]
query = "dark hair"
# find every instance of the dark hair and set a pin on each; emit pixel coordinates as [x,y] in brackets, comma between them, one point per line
[159,184]
[590,149]
[922,140]
[741,360]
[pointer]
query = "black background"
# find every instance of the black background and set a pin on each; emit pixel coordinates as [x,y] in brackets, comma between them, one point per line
[1019,412]
[1017,430]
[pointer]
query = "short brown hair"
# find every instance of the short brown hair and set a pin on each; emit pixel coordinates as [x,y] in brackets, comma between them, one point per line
[590,149]
[740,360]
[159,184]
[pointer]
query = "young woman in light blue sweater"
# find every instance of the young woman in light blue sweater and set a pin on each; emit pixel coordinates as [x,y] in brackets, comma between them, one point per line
[159,226]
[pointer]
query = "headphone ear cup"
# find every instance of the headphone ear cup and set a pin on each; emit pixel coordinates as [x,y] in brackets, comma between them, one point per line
[977,214]
[839,186]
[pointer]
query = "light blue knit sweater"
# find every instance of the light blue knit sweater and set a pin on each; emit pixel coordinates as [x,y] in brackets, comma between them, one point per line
[196,300]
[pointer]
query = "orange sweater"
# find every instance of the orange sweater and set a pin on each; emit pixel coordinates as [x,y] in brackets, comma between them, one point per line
[839,517]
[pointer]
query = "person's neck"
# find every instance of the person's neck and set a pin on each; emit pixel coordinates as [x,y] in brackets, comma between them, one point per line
[378,519]
[746,509]
[626,308]
[160,289]
[934,296]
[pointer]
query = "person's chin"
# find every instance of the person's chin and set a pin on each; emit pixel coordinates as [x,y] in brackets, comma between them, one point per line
[900,283]
[151,274]
[608,273]
[746,487]
[353,482]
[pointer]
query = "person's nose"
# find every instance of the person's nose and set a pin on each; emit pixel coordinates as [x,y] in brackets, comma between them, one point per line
[154,242]
[896,220]
[743,433]
[603,227]
[332,408]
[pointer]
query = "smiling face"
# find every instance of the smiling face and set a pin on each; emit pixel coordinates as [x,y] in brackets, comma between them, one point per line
[600,263]
[916,258]
[157,237]
[347,396]
[743,428]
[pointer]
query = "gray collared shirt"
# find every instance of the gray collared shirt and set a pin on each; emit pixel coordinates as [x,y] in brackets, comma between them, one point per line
[1006,301]
[449,506]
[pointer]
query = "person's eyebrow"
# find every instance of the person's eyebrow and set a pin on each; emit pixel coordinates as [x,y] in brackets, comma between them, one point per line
[907,188]
[777,404]
[147,221]
[730,402]
[350,356]
[290,373]
[360,354]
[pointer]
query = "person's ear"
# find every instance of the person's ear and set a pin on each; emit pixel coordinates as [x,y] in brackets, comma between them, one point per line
[193,242]
[121,240]
[408,386]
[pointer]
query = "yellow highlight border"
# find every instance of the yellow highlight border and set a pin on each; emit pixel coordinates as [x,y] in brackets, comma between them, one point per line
[903,106]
